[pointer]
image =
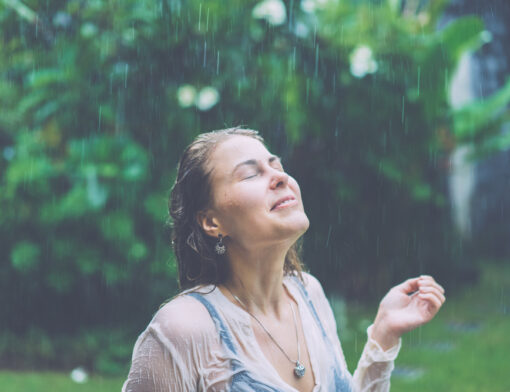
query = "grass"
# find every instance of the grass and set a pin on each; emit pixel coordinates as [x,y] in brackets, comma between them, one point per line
[466,348]
[54,382]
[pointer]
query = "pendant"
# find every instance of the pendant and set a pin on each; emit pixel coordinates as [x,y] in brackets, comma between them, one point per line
[299,370]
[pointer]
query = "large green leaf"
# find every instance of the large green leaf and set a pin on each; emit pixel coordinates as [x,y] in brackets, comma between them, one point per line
[472,119]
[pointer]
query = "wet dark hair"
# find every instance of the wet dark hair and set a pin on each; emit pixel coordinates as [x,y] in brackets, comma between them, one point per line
[197,261]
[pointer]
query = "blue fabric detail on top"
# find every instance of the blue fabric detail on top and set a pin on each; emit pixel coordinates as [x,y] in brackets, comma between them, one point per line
[309,302]
[225,337]
[341,383]
[242,381]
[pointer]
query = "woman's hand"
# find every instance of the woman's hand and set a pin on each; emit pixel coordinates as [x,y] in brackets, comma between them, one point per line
[406,307]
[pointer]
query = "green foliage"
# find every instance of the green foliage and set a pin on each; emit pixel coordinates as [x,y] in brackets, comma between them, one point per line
[24,256]
[476,355]
[55,382]
[99,98]
[481,122]
[459,350]
[100,350]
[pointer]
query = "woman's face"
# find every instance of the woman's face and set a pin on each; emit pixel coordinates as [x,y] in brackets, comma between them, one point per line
[254,201]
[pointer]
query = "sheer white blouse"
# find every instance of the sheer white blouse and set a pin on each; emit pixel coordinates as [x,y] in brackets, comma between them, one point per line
[200,341]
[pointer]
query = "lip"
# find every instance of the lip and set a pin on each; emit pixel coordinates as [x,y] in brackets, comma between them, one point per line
[276,205]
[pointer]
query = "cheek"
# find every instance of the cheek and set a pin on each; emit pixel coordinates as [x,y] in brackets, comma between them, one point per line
[294,185]
[236,200]
[231,203]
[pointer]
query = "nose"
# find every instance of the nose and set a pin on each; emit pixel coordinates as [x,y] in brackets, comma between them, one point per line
[279,179]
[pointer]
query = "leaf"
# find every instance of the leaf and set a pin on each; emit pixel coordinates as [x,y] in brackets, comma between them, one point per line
[21,9]
[472,118]
[25,256]
[45,77]
[461,35]
[117,226]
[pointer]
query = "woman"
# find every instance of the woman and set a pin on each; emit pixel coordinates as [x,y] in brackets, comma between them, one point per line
[249,318]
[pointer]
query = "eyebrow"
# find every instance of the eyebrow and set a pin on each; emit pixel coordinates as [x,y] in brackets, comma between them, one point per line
[253,162]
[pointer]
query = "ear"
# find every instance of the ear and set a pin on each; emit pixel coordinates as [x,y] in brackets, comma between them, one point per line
[208,222]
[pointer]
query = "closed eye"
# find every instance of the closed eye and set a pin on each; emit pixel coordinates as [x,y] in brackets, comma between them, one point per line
[278,167]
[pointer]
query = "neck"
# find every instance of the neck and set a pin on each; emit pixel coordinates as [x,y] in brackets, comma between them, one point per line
[256,278]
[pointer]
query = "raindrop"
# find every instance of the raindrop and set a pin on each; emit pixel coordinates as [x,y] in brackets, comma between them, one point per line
[205,53]
[403,108]
[199,15]
[419,76]
[316,60]
[329,235]
[294,59]
[307,89]
[99,119]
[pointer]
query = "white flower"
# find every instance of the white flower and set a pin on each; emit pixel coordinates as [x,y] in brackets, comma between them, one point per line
[362,61]
[423,18]
[301,30]
[62,19]
[310,6]
[79,375]
[207,98]
[88,30]
[186,95]
[273,11]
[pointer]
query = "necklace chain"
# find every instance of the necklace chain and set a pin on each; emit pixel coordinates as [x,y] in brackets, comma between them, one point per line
[297,362]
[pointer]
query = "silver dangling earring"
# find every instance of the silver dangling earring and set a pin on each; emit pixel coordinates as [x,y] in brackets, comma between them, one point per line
[220,248]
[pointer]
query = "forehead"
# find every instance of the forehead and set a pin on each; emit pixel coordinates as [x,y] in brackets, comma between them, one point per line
[234,150]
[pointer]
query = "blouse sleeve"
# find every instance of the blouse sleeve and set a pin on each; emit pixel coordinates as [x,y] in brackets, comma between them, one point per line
[375,365]
[173,352]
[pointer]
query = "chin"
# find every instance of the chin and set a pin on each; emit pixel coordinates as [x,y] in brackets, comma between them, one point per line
[301,225]
[306,225]
[292,227]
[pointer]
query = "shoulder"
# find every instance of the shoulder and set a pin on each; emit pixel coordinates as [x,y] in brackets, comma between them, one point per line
[310,288]
[183,318]
[312,285]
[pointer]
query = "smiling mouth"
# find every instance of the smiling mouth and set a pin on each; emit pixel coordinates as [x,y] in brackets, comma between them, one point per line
[285,203]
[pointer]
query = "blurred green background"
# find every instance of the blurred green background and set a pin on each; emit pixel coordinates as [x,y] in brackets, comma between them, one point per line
[99,98]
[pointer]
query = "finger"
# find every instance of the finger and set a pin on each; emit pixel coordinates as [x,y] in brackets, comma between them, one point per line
[427,279]
[431,298]
[435,291]
[409,286]
[430,282]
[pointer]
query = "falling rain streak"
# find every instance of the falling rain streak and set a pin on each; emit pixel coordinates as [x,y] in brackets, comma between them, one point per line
[99,99]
